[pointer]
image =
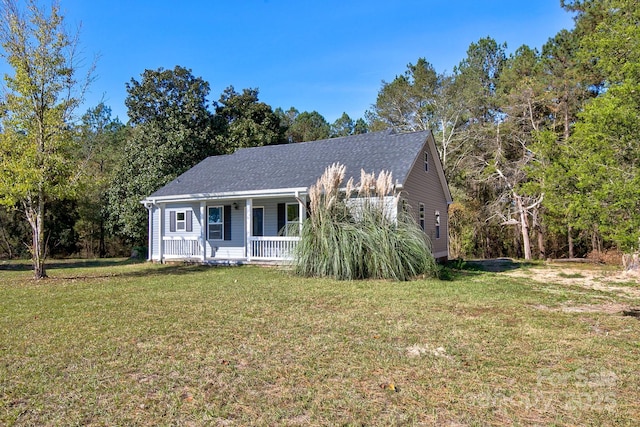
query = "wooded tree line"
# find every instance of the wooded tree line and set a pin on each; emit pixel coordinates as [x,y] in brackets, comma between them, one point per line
[539,146]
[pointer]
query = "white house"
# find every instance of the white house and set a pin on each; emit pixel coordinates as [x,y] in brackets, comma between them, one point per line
[249,205]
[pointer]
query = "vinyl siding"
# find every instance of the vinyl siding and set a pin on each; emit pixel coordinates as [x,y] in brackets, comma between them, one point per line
[233,248]
[195,212]
[271,213]
[424,187]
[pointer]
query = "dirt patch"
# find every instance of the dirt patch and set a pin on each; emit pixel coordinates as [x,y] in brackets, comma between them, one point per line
[623,287]
[621,283]
[587,308]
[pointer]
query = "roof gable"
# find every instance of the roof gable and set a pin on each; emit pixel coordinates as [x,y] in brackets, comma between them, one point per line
[299,165]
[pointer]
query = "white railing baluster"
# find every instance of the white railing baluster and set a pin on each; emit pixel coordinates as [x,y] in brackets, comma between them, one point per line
[182,247]
[272,247]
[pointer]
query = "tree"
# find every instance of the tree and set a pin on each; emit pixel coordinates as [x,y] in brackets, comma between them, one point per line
[422,99]
[407,103]
[605,157]
[478,145]
[37,144]
[244,121]
[563,84]
[343,126]
[102,141]
[286,120]
[171,129]
[14,231]
[308,127]
[519,94]
[360,127]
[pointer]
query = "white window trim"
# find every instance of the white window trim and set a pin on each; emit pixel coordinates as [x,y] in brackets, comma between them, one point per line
[426,161]
[437,221]
[421,216]
[221,223]
[287,222]
[181,224]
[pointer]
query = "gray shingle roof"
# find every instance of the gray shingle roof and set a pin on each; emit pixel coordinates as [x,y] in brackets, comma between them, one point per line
[300,164]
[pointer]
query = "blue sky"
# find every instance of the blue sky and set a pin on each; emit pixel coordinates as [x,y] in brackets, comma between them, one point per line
[329,56]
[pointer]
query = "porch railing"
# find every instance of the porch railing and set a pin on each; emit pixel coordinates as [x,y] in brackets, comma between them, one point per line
[181,247]
[272,247]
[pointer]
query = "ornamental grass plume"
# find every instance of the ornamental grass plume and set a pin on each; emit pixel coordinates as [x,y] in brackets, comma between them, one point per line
[354,233]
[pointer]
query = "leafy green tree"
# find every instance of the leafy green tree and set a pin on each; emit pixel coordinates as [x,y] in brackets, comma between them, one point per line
[519,95]
[343,126]
[604,151]
[171,129]
[37,163]
[14,232]
[478,75]
[408,102]
[286,120]
[422,99]
[481,174]
[564,83]
[308,127]
[360,127]
[102,140]
[244,121]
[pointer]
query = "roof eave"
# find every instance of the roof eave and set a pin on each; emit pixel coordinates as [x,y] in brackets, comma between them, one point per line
[249,194]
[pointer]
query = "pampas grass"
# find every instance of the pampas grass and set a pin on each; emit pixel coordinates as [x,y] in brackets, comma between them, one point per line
[350,234]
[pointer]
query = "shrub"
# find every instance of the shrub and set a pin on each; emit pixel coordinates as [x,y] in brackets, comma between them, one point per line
[353,232]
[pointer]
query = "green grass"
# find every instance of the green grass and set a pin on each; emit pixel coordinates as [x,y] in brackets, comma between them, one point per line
[140,344]
[571,275]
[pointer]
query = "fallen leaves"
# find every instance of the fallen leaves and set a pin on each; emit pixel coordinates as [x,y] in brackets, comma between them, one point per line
[390,386]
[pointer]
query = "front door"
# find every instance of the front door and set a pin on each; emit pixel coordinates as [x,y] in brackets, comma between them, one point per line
[258,222]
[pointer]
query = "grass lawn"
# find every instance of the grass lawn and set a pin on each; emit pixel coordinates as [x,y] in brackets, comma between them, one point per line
[115,343]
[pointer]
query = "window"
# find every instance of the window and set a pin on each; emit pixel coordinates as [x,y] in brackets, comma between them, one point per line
[258,222]
[437,224]
[426,161]
[181,221]
[215,223]
[292,220]
[421,215]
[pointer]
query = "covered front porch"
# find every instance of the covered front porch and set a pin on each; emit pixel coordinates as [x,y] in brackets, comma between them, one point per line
[259,248]
[227,229]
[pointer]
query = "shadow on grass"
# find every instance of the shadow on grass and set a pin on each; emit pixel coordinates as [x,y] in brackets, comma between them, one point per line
[101,268]
[25,265]
[455,269]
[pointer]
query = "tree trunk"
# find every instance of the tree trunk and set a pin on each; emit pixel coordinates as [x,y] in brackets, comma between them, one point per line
[102,247]
[35,217]
[570,241]
[524,226]
[540,234]
[542,252]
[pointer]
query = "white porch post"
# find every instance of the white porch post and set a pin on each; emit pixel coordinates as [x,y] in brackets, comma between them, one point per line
[203,229]
[161,234]
[248,227]
[150,232]
[302,203]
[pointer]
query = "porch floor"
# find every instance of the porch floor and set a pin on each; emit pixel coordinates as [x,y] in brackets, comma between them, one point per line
[226,262]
